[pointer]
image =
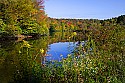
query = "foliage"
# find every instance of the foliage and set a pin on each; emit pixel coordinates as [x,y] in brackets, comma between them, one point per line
[2,26]
[23,16]
[121,19]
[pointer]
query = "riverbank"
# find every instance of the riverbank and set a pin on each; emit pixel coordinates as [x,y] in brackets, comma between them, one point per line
[20,37]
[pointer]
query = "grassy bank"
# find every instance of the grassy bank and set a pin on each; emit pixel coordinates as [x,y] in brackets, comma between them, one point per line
[99,60]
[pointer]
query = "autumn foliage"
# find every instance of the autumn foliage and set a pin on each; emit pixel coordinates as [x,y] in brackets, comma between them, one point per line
[22,16]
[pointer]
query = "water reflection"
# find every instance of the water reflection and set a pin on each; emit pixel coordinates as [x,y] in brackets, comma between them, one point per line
[58,50]
[19,63]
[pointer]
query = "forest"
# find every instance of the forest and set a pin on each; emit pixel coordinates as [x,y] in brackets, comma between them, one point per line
[100,60]
[28,17]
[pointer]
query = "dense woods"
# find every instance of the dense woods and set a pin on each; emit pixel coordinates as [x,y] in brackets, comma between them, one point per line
[83,24]
[28,16]
[98,58]
[22,17]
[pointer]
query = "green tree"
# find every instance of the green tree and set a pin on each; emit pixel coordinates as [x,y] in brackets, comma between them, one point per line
[22,16]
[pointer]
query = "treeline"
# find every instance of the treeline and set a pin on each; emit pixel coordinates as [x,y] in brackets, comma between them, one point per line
[83,24]
[19,17]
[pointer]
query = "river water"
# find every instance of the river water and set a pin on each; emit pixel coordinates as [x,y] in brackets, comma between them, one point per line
[18,57]
[57,51]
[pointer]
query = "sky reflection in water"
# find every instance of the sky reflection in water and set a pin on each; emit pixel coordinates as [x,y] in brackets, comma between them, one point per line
[61,48]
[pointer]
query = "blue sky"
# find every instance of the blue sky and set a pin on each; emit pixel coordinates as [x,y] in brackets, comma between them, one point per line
[84,9]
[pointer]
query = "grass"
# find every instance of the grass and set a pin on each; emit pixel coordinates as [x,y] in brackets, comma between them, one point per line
[98,60]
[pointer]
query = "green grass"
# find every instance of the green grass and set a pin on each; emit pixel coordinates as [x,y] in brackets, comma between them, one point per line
[100,60]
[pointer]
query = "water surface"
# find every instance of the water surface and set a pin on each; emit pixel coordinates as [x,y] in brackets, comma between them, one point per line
[59,50]
[19,62]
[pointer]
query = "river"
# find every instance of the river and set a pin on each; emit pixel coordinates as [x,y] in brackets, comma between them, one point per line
[15,57]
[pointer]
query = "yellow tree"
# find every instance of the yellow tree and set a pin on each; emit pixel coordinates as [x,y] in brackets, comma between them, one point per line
[22,16]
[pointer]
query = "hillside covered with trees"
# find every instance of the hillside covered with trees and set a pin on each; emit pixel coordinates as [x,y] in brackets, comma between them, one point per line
[18,17]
